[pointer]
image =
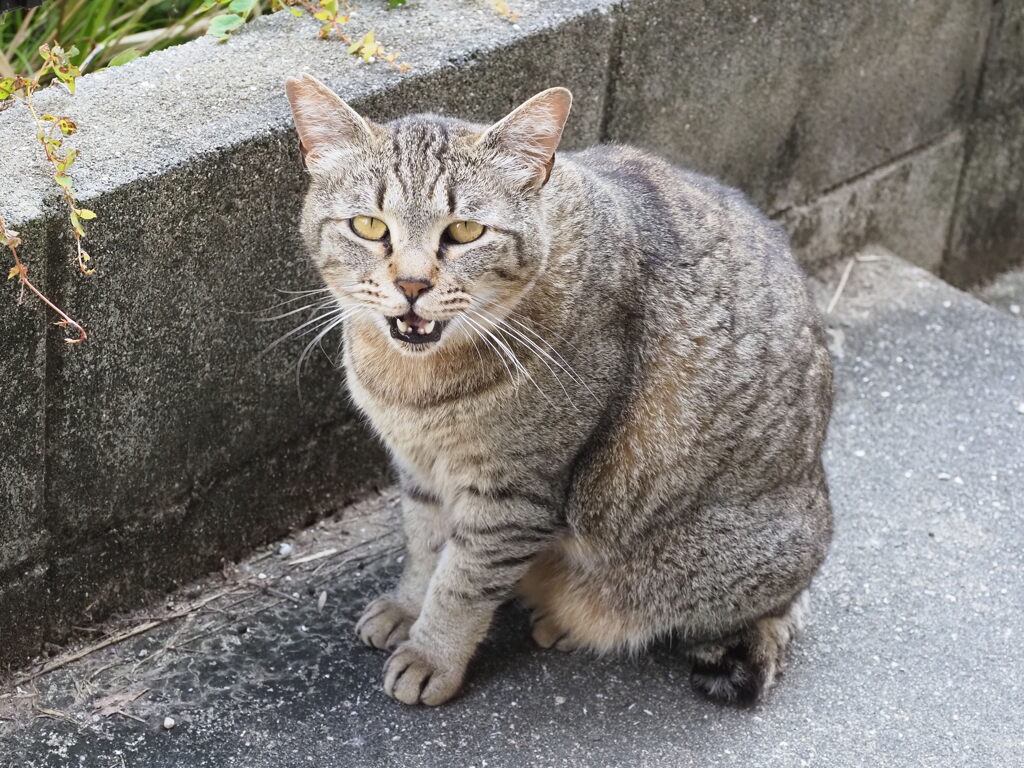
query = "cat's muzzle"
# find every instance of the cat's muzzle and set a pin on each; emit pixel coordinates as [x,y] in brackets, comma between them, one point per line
[414,329]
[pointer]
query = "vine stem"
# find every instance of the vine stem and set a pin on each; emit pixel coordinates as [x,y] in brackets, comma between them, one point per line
[9,239]
[41,136]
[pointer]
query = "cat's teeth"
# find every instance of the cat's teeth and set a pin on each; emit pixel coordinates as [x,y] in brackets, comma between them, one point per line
[428,328]
[402,325]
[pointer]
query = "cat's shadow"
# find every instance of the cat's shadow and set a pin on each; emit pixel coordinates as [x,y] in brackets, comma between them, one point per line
[509,652]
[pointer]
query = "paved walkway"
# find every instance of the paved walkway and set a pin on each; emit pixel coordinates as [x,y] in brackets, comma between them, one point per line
[914,654]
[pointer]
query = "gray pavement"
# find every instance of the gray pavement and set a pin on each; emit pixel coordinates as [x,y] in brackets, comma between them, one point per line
[913,655]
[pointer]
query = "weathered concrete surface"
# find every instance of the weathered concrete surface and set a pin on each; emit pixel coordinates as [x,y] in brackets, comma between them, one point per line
[22,398]
[905,206]
[911,658]
[1006,292]
[988,230]
[789,99]
[23,444]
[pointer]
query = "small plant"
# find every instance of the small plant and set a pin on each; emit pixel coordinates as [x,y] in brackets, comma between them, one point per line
[502,8]
[333,15]
[238,13]
[51,132]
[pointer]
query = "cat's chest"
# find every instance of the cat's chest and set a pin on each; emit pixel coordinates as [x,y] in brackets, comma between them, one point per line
[444,447]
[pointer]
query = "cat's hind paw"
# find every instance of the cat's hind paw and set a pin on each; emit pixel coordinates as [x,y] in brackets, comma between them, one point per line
[548,634]
[732,679]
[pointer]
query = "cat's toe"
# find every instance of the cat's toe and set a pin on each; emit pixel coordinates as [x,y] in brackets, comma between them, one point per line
[384,624]
[412,677]
[548,634]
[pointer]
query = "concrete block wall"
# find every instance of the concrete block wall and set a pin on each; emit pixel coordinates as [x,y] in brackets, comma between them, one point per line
[987,231]
[166,444]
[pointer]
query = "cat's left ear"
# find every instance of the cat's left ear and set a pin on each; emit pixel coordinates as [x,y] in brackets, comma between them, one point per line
[530,134]
[323,120]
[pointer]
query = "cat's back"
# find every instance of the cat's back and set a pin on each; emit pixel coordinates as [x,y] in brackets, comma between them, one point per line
[700,246]
[678,215]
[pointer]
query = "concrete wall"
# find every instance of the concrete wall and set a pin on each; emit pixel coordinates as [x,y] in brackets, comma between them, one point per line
[987,231]
[165,444]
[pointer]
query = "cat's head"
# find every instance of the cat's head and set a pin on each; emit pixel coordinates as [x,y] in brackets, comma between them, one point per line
[430,228]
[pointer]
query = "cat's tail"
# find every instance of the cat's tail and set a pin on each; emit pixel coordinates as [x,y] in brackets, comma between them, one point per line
[740,670]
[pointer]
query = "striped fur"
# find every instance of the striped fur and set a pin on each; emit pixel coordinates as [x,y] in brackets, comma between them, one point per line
[623,418]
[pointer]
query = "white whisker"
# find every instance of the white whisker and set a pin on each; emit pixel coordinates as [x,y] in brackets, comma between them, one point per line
[313,307]
[532,346]
[330,326]
[480,332]
[514,359]
[309,326]
[564,365]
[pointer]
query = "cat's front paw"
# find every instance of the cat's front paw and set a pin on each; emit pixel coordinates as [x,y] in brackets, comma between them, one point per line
[415,677]
[384,624]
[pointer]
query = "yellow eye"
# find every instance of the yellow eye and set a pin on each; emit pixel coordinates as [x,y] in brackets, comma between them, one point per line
[369,228]
[465,231]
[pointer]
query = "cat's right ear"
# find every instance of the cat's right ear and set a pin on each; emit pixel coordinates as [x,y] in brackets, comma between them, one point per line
[324,121]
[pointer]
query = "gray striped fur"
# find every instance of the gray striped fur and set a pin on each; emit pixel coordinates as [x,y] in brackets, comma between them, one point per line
[650,461]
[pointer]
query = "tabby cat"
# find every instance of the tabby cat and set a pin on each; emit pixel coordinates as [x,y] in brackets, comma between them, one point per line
[601,381]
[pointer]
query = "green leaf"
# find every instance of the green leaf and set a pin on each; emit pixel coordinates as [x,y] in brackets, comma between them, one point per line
[322,16]
[86,214]
[77,224]
[221,26]
[242,6]
[6,88]
[295,11]
[64,181]
[396,3]
[124,57]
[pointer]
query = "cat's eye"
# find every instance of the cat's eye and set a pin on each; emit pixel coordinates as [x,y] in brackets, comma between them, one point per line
[368,227]
[464,231]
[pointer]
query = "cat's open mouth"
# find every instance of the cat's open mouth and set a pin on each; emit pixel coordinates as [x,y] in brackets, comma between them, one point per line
[414,329]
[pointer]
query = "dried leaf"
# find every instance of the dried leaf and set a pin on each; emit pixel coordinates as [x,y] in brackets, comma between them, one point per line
[113,704]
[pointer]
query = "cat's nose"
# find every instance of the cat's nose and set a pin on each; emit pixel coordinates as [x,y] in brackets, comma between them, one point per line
[412,287]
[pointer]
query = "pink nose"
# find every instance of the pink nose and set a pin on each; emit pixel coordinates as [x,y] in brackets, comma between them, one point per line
[412,288]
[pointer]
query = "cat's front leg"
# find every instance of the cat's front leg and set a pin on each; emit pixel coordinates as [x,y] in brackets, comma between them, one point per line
[494,539]
[386,621]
